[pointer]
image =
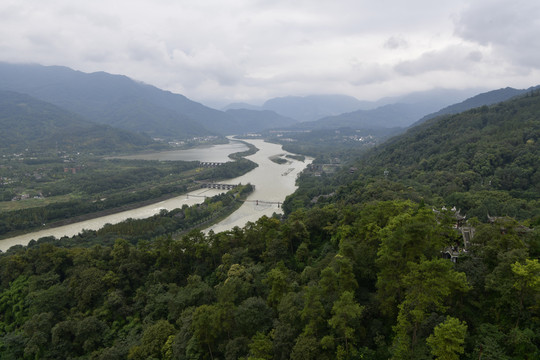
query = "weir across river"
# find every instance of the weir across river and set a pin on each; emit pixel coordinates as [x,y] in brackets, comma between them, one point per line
[272,189]
[219,186]
[210,164]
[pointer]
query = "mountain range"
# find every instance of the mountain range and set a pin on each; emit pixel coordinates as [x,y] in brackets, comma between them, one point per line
[410,111]
[27,122]
[486,98]
[121,102]
[307,108]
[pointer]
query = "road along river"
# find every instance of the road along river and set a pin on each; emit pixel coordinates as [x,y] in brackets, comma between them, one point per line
[273,182]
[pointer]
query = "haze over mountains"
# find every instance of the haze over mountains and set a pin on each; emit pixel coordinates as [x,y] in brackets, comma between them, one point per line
[411,111]
[123,103]
[27,122]
[315,107]
[307,108]
[487,98]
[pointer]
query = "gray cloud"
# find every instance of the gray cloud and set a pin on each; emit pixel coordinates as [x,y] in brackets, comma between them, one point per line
[511,28]
[395,42]
[217,50]
[452,58]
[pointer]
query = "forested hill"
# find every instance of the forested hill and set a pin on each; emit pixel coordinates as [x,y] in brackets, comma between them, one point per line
[361,272]
[115,100]
[487,98]
[484,161]
[28,123]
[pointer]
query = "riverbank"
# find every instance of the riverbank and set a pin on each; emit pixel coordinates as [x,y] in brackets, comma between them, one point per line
[157,181]
[271,188]
[96,215]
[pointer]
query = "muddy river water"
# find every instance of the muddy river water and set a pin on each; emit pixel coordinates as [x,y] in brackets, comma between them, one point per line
[273,182]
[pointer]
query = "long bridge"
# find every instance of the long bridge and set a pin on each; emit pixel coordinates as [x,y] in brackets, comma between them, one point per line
[255,201]
[264,202]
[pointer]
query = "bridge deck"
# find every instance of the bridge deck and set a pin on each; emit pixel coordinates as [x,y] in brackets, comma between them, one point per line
[257,202]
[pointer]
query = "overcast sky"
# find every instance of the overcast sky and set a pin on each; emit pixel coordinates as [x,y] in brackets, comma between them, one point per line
[221,51]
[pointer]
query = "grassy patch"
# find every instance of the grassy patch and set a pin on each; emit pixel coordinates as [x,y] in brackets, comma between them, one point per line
[30,203]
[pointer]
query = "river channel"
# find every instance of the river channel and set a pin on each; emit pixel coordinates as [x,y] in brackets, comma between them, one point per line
[273,182]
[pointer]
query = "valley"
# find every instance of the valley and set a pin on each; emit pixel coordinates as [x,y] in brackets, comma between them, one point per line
[270,189]
[367,234]
[48,191]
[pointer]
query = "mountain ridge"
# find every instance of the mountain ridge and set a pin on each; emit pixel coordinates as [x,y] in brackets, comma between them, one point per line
[485,98]
[91,95]
[28,122]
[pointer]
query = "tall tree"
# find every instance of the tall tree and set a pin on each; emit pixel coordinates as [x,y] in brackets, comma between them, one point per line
[428,288]
[447,340]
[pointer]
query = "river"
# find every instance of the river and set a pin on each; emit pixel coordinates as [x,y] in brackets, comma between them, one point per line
[207,153]
[273,182]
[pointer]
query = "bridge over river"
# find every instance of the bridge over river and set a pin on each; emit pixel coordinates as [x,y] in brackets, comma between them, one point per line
[272,189]
[254,201]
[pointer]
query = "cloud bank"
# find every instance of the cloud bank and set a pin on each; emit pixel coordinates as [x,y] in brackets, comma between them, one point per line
[220,51]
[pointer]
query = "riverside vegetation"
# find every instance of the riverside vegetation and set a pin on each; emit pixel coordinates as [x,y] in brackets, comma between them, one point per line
[57,191]
[354,270]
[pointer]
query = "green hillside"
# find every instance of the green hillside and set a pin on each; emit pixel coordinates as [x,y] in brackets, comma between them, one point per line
[28,123]
[487,98]
[116,100]
[484,161]
[359,268]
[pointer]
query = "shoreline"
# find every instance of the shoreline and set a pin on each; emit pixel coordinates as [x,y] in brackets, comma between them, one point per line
[132,206]
[273,187]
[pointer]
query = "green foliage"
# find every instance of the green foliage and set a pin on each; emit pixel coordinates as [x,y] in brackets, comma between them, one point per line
[345,313]
[408,238]
[154,342]
[260,347]
[13,310]
[447,340]
[428,288]
[357,274]
[224,296]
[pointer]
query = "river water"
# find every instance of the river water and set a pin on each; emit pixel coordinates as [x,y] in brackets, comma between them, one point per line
[210,153]
[273,182]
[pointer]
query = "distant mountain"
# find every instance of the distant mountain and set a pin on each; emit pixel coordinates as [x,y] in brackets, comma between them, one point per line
[259,120]
[313,107]
[387,116]
[487,98]
[27,122]
[350,112]
[437,98]
[116,100]
[241,105]
[411,107]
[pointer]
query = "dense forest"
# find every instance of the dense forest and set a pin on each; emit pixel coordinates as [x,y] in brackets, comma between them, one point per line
[359,267]
[483,161]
